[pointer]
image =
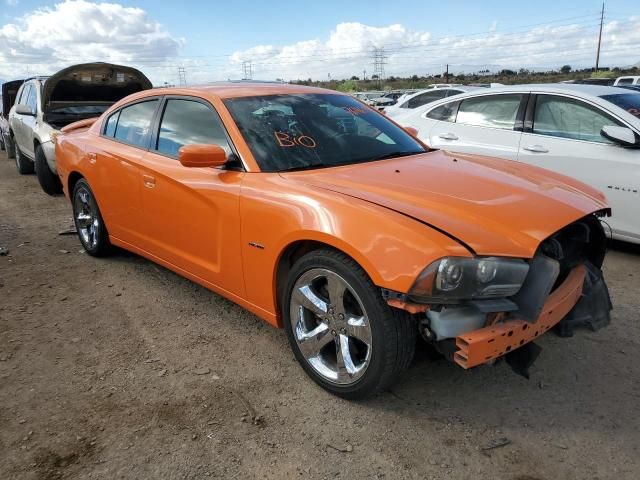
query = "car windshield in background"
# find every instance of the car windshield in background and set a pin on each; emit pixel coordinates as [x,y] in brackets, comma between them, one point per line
[627,101]
[297,132]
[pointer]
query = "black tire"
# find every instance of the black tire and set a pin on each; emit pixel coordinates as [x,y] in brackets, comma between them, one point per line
[49,181]
[2,146]
[96,244]
[9,146]
[23,164]
[393,331]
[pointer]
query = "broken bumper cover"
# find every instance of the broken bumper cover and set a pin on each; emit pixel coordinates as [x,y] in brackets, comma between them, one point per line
[488,343]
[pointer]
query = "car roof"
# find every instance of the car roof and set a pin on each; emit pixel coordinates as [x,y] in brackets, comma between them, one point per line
[584,89]
[239,89]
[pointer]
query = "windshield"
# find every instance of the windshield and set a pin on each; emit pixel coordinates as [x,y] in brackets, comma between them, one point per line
[295,132]
[627,101]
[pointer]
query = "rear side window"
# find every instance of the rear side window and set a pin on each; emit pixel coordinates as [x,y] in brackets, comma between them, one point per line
[570,118]
[625,81]
[110,128]
[452,91]
[134,123]
[495,111]
[187,122]
[444,113]
[425,98]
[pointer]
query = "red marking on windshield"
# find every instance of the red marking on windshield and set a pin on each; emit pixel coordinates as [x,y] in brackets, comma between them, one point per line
[634,111]
[356,111]
[285,140]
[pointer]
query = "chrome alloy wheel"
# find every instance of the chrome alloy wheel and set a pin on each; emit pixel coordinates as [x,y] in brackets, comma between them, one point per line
[330,326]
[86,217]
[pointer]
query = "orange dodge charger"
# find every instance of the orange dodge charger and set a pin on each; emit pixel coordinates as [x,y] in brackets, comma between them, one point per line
[322,216]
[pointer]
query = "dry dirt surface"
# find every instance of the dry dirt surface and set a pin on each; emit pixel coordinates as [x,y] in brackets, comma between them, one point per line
[117,368]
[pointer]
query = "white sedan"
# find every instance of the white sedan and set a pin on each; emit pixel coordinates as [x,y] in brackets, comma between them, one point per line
[408,103]
[588,132]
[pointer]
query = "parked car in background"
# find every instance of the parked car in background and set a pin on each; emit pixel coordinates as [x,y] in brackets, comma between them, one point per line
[422,97]
[588,132]
[324,217]
[629,80]
[46,104]
[7,98]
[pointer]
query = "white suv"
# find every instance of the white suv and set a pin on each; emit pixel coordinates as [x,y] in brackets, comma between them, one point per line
[46,104]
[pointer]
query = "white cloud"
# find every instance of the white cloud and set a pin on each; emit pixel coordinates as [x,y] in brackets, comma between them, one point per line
[77,31]
[347,50]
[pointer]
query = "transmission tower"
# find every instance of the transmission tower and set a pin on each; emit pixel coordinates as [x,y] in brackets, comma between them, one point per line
[379,61]
[182,76]
[247,72]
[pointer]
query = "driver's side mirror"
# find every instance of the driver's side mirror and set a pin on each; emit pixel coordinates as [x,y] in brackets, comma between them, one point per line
[25,110]
[621,135]
[202,156]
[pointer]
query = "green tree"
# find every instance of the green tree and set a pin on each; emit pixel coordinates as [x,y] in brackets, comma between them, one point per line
[565,68]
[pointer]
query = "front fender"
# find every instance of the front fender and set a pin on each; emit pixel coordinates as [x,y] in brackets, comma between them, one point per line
[275,213]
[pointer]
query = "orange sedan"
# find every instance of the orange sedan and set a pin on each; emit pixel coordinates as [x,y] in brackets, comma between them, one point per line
[322,216]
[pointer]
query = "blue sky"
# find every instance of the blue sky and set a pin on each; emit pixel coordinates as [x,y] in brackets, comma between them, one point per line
[212,38]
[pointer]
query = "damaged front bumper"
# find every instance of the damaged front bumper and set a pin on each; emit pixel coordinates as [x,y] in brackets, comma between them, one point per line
[488,343]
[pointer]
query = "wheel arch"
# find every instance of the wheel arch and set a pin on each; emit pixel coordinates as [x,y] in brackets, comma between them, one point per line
[297,249]
[72,179]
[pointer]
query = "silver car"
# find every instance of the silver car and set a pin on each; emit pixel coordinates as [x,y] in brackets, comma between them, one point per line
[46,104]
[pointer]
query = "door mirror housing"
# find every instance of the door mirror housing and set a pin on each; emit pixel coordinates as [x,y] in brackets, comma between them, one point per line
[621,135]
[411,131]
[202,156]
[25,110]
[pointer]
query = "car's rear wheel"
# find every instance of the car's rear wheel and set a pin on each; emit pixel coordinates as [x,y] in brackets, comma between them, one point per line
[343,334]
[23,164]
[88,221]
[49,181]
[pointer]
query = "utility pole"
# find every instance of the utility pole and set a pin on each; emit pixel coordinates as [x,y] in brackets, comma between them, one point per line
[379,61]
[247,71]
[182,76]
[600,37]
[446,75]
[364,74]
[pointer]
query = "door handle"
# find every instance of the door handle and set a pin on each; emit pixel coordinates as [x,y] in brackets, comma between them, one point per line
[448,136]
[536,149]
[149,181]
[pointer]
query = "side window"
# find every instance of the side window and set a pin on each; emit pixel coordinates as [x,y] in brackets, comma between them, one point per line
[134,123]
[425,98]
[625,81]
[24,93]
[495,111]
[452,91]
[568,118]
[187,122]
[32,99]
[110,127]
[444,113]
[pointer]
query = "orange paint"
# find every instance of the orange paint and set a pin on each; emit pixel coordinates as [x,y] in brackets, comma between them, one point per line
[393,217]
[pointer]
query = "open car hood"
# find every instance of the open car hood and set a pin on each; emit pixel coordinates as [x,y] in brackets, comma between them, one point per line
[9,92]
[92,83]
[492,206]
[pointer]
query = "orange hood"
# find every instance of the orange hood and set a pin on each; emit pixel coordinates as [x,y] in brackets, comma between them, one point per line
[494,207]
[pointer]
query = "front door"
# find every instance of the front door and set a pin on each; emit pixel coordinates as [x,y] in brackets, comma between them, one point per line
[191,215]
[565,137]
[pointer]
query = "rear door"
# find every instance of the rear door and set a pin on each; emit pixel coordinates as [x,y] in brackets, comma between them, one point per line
[484,124]
[191,215]
[17,120]
[562,133]
[29,121]
[116,158]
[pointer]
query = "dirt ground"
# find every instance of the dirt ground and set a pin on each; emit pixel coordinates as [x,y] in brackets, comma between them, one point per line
[118,368]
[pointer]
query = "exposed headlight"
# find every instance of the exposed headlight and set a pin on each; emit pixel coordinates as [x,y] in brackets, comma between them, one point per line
[457,278]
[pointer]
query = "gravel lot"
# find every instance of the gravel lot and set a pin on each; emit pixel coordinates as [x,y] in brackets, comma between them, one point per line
[118,368]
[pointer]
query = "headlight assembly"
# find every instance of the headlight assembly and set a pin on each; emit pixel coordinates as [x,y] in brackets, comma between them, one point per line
[451,279]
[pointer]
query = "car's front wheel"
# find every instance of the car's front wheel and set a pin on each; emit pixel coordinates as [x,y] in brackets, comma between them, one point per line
[23,164]
[88,221]
[342,332]
[49,181]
